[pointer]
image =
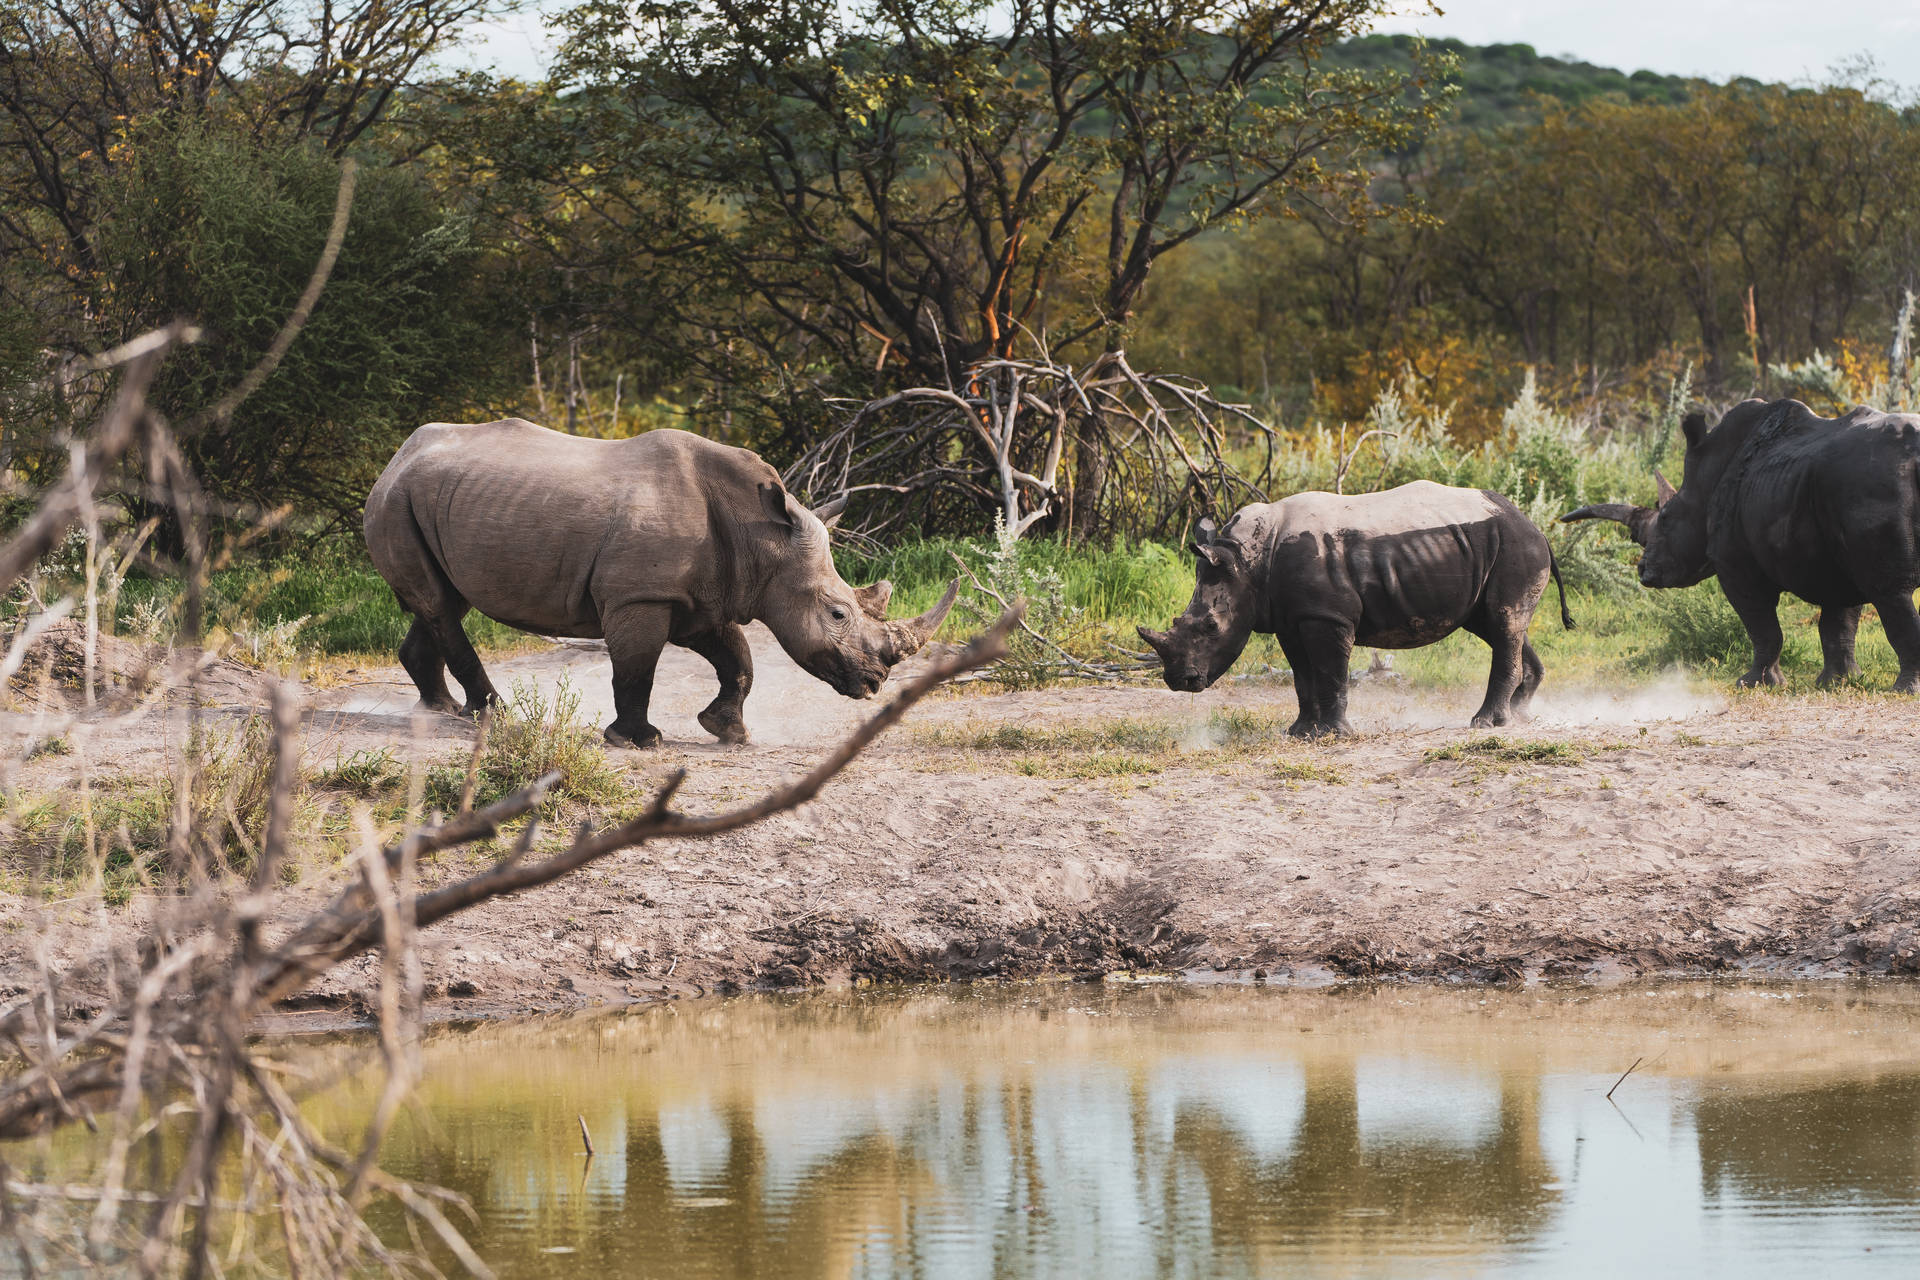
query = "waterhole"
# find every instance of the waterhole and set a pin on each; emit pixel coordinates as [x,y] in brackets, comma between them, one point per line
[1120,1131]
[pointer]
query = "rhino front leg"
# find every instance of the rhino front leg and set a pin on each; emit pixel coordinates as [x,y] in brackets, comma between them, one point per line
[1328,647]
[1759,610]
[1304,687]
[732,661]
[1903,633]
[1837,629]
[635,636]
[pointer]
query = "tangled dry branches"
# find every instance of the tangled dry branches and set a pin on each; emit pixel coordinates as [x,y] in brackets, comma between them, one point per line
[1144,453]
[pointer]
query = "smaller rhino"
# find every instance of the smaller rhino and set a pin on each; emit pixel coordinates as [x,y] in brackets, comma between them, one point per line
[1322,572]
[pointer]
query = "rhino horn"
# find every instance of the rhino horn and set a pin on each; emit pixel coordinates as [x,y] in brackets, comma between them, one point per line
[908,636]
[1664,489]
[1157,639]
[1639,520]
[873,599]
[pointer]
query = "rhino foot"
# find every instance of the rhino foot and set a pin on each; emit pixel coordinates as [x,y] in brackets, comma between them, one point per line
[729,728]
[1909,681]
[648,737]
[444,706]
[1321,729]
[1757,677]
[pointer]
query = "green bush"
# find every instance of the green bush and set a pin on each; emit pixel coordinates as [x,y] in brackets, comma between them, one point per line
[1696,627]
[220,228]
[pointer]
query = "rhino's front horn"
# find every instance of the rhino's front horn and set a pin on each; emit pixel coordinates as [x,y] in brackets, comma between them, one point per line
[909,635]
[1157,639]
[1639,520]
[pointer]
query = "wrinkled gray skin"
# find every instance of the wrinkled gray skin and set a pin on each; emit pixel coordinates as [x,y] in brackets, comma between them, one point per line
[1778,499]
[1394,570]
[663,538]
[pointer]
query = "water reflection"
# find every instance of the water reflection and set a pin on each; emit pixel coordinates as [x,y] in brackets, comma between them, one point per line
[1174,1133]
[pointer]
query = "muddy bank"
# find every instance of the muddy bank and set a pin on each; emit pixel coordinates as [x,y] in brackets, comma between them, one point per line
[1670,829]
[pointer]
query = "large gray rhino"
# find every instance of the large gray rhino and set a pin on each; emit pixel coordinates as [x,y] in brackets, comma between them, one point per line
[665,537]
[1778,499]
[1395,570]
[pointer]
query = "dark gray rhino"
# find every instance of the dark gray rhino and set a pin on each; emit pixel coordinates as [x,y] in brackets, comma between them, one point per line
[663,538]
[1778,499]
[1394,570]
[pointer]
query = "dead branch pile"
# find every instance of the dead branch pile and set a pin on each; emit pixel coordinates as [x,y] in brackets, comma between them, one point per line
[1103,449]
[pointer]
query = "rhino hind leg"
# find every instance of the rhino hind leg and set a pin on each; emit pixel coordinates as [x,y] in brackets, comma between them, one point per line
[451,640]
[1505,631]
[1903,633]
[424,662]
[1837,630]
[732,659]
[1532,672]
[635,636]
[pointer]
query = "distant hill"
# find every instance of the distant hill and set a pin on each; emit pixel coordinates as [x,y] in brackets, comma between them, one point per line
[1498,81]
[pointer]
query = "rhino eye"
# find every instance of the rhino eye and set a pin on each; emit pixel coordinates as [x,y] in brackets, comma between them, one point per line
[839,614]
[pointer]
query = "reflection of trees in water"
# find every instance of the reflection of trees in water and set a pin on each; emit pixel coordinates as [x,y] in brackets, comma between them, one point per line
[1856,1139]
[1447,1194]
[1044,1173]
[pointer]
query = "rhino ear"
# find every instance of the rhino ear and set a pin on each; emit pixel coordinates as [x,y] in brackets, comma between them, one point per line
[829,513]
[1694,428]
[783,509]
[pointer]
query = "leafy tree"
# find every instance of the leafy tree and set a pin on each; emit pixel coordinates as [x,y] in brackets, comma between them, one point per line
[200,223]
[905,188]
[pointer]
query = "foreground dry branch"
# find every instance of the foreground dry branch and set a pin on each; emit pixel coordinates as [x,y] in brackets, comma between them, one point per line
[205,1162]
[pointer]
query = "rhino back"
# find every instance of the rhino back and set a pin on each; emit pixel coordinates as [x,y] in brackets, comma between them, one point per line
[546,531]
[1405,566]
[1829,509]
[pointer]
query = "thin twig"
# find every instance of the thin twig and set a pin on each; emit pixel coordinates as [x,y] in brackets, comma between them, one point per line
[1624,1075]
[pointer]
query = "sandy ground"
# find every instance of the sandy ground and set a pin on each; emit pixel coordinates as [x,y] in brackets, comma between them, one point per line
[1698,831]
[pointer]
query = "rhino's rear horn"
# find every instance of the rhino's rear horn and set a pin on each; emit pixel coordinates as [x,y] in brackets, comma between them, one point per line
[1663,488]
[873,599]
[1639,520]
[908,636]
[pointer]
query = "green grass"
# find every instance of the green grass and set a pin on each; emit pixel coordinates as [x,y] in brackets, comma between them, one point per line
[1308,771]
[347,607]
[1622,636]
[1498,750]
[528,737]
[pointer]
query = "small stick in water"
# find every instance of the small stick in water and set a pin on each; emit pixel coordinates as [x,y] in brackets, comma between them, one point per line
[585,1137]
[1624,1074]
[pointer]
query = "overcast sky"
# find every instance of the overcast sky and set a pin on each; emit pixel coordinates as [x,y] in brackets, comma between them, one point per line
[1785,40]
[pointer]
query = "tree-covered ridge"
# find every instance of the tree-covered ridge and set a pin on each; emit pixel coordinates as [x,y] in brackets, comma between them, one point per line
[1501,83]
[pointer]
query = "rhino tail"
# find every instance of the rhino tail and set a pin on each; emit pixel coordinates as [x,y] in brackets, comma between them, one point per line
[1553,567]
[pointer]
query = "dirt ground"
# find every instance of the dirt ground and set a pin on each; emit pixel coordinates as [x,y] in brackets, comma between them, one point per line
[1669,828]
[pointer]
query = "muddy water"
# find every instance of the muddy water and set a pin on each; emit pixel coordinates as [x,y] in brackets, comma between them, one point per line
[1155,1131]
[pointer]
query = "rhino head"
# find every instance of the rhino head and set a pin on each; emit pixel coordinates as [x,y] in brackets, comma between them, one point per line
[1673,530]
[1200,645]
[838,633]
